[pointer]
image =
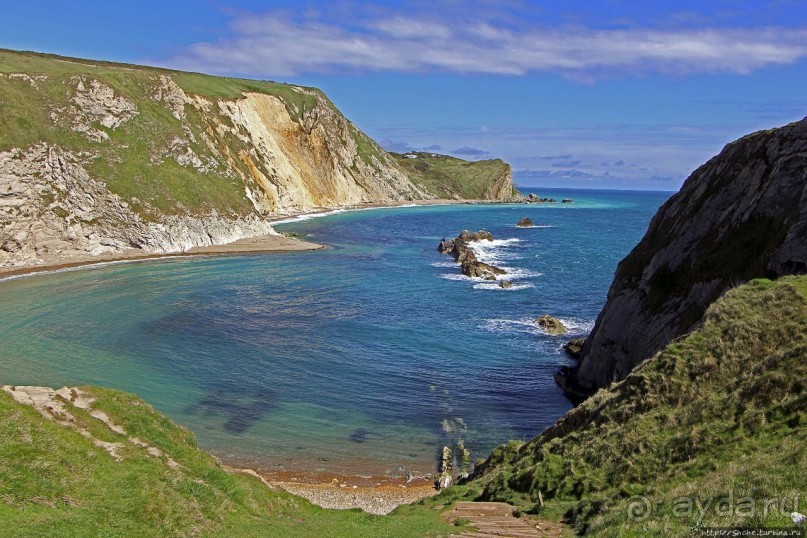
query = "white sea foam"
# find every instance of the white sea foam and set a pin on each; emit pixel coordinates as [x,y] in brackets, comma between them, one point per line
[578,325]
[524,325]
[308,216]
[495,286]
[496,251]
[460,276]
[445,264]
[320,214]
[517,273]
[574,326]
[96,265]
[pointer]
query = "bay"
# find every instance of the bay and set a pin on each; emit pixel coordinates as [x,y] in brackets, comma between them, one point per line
[364,358]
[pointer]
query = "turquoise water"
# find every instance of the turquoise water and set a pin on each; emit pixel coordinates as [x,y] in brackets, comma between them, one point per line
[364,358]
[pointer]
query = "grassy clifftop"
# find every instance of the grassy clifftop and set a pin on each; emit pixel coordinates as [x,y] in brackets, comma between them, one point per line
[151,480]
[453,178]
[711,431]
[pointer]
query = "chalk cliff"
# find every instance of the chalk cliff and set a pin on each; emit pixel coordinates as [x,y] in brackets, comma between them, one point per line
[98,157]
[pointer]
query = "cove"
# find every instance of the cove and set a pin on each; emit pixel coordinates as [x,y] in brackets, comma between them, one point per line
[362,359]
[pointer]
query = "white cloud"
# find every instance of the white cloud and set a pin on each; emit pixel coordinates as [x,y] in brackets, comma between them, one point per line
[275,44]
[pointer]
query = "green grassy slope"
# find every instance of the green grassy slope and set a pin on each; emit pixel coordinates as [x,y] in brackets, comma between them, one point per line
[124,162]
[55,482]
[706,432]
[449,177]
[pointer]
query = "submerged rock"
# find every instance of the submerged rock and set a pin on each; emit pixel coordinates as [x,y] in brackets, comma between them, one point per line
[525,222]
[505,284]
[551,325]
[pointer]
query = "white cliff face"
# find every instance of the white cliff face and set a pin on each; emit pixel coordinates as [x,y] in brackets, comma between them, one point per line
[50,209]
[93,101]
[310,163]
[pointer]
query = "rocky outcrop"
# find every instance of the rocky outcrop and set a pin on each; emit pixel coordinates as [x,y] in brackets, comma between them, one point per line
[463,253]
[573,347]
[524,222]
[550,325]
[446,468]
[533,198]
[740,216]
[501,188]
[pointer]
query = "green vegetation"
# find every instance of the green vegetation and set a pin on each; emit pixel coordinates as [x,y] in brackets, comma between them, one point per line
[710,431]
[452,178]
[55,482]
[138,161]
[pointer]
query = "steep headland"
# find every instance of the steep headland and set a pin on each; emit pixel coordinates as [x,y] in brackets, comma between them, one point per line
[742,215]
[706,432]
[97,158]
[456,179]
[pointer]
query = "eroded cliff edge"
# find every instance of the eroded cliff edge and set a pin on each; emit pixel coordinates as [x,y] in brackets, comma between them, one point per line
[740,216]
[98,158]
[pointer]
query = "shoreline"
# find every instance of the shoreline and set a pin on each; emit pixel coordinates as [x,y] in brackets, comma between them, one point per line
[249,245]
[373,494]
[377,495]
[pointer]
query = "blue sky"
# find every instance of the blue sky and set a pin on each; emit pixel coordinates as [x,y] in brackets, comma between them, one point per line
[596,94]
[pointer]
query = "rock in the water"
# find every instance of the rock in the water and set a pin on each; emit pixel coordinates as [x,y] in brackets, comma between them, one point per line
[464,254]
[567,201]
[446,468]
[551,325]
[445,246]
[574,346]
[525,222]
[474,268]
[504,284]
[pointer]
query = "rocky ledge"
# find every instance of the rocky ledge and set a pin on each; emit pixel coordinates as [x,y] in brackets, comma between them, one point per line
[465,256]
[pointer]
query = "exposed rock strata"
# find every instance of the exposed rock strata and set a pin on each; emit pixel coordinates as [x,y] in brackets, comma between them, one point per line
[158,167]
[50,207]
[740,216]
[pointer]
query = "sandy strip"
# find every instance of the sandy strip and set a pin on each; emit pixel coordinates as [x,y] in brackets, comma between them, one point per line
[249,245]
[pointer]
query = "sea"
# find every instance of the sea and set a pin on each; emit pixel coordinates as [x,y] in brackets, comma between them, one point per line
[362,359]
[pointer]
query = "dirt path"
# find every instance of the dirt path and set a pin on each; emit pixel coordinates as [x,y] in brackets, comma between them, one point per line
[497,520]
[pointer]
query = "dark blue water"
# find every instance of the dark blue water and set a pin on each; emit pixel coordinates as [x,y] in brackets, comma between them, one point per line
[364,358]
